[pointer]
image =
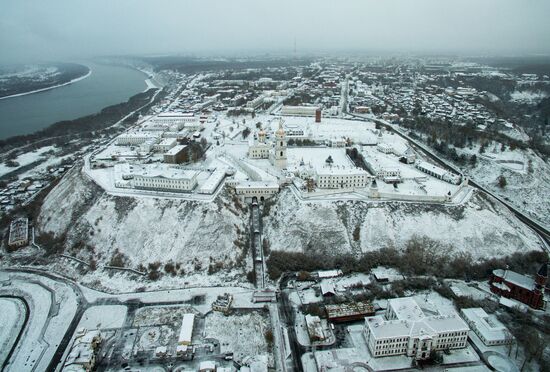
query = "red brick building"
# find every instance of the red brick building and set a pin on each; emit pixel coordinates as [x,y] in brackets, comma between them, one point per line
[509,284]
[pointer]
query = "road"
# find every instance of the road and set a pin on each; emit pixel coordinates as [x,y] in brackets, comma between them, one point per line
[542,231]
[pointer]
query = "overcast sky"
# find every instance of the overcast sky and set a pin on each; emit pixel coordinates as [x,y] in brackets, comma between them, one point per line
[33,30]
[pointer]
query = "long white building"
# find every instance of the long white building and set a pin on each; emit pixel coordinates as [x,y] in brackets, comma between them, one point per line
[135,138]
[407,331]
[435,171]
[160,177]
[340,177]
[259,189]
[299,110]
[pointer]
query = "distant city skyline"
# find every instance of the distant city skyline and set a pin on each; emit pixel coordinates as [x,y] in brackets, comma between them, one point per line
[33,30]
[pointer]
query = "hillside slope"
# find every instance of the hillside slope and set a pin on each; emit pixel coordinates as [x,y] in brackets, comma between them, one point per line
[482,227]
[194,236]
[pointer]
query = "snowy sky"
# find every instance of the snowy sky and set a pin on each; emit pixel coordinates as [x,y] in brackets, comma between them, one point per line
[57,29]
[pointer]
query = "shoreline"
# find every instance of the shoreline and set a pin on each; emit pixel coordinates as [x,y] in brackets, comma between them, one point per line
[50,88]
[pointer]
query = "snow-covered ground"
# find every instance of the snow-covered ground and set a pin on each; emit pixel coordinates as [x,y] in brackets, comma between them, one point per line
[26,159]
[242,334]
[528,96]
[192,235]
[12,315]
[52,305]
[481,227]
[527,179]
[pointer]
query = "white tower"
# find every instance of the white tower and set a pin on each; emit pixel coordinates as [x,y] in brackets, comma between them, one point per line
[280,147]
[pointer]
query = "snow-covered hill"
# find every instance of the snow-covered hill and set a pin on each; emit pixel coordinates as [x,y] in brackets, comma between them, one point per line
[192,235]
[482,227]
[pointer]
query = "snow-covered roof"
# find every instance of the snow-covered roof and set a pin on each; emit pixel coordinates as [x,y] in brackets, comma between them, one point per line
[175,150]
[515,278]
[162,171]
[329,273]
[327,287]
[432,168]
[486,325]
[428,326]
[406,308]
[186,330]
[257,184]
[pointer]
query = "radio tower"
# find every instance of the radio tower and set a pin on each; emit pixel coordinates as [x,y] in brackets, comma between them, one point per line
[294,47]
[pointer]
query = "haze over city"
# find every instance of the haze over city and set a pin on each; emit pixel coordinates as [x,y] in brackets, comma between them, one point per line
[38,30]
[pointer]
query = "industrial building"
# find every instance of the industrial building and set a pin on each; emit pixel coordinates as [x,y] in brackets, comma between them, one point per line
[186,330]
[487,327]
[407,331]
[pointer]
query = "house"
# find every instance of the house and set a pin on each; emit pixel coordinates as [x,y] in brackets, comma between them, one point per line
[327,289]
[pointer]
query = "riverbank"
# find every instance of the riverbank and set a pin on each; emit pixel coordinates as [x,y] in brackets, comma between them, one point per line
[52,87]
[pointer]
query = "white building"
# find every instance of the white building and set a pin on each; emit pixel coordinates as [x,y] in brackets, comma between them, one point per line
[134,138]
[407,331]
[437,172]
[299,110]
[165,145]
[278,155]
[159,177]
[259,149]
[340,177]
[487,327]
[256,102]
[171,118]
[275,152]
[186,330]
[259,189]
[384,148]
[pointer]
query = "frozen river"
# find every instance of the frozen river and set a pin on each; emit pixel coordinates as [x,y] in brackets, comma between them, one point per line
[107,85]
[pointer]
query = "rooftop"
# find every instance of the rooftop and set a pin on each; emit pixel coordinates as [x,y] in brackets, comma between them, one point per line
[486,325]
[515,278]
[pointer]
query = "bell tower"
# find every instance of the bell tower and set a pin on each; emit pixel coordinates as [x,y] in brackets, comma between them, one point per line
[280,147]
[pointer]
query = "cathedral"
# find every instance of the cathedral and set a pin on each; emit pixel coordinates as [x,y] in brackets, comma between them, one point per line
[275,150]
